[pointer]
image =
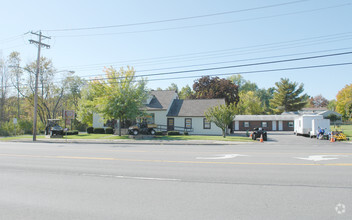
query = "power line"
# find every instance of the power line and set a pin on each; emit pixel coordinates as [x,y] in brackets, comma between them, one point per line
[232,61]
[202,25]
[271,49]
[262,71]
[175,19]
[243,72]
[13,38]
[246,65]
[267,45]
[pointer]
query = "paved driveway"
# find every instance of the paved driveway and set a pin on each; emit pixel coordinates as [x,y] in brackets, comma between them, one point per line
[285,138]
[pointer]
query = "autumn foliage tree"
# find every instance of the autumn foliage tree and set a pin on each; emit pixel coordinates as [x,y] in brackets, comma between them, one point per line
[213,87]
[318,101]
[344,102]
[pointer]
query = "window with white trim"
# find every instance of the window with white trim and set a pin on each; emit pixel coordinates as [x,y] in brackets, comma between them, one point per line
[188,123]
[206,124]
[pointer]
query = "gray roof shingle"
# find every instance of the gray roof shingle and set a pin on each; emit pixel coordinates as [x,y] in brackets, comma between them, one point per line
[161,100]
[192,107]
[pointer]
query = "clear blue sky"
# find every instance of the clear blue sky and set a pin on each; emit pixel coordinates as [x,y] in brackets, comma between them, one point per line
[227,39]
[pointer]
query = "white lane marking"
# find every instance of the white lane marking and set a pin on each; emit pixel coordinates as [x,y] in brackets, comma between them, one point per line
[129,177]
[224,156]
[321,157]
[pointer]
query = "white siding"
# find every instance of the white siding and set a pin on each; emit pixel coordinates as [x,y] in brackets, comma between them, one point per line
[197,125]
[159,117]
[98,121]
[237,125]
[274,125]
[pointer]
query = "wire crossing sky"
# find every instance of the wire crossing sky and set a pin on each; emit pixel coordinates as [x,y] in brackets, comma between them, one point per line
[176,37]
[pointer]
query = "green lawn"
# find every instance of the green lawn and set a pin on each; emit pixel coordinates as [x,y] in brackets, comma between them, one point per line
[21,137]
[347,129]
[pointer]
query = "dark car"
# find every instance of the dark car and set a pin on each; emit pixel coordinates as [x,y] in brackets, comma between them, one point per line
[258,133]
[53,128]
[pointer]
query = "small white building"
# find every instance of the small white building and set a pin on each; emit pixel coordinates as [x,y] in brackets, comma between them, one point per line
[190,115]
[165,109]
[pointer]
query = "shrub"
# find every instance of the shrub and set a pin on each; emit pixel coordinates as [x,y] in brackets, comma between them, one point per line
[9,129]
[73,132]
[185,133]
[173,133]
[158,133]
[98,131]
[90,130]
[109,130]
[26,126]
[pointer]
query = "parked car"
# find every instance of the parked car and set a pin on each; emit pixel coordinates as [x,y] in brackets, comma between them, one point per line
[53,128]
[258,132]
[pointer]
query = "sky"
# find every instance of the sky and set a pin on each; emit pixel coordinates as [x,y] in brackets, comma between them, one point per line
[307,41]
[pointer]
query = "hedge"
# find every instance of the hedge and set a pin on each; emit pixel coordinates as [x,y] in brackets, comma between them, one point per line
[109,130]
[73,132]
[158,133]
[90,130]
[98,131]
[173,133]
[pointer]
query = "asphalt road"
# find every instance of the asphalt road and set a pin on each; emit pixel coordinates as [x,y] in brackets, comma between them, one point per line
[287,177]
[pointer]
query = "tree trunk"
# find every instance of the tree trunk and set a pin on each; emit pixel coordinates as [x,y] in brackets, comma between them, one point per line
[120,126]
[224,133]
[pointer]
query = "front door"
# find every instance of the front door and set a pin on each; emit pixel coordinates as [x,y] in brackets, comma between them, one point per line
[170,124]
[280,126]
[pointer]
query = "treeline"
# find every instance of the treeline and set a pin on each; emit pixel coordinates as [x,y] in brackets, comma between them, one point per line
[120,95]
[57,91]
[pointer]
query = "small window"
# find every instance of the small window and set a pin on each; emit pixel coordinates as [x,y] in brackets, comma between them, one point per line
[188,123]
[246,124]
[290,124]
[206,124]
[264,124]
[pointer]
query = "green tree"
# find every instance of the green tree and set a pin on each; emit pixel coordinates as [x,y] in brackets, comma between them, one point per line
[249,104]
[185,93]
[50,92]
[333,118]
[16,73]
[119,96]
[86,104]
[332,105]
[210,88]
[173,87]
[287,97]
[74,85]
[222,116]
[344,102]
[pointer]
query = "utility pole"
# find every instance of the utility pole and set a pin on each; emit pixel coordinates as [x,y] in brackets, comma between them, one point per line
[40,45]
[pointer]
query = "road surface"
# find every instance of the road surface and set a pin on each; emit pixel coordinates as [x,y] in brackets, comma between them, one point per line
[287,177]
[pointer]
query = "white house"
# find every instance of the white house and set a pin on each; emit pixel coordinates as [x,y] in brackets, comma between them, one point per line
[171,113]
[190,115]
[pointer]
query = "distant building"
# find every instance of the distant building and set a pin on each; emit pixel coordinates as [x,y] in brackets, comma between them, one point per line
[268,122]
